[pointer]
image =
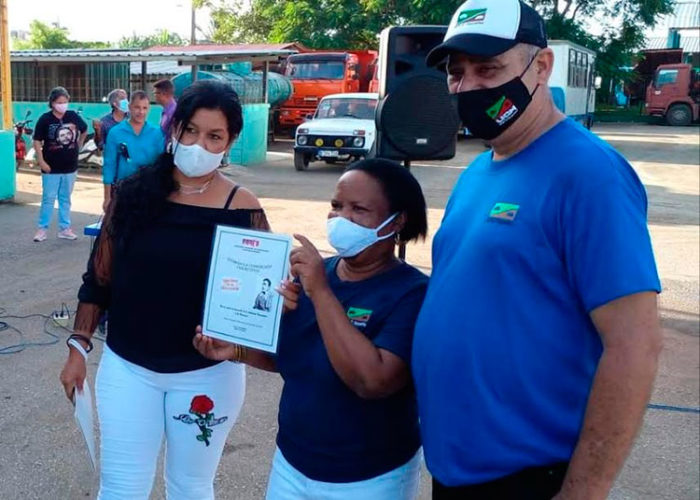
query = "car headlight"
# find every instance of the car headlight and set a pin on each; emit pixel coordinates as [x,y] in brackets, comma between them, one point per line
[302,140]
[358,142]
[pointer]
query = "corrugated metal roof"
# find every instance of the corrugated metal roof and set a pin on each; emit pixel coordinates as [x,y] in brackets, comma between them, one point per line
[686,15]
[190,56]
[234,47]
[689,44]
[160,68]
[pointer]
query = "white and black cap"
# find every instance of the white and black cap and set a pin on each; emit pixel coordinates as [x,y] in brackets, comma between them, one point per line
[488,28]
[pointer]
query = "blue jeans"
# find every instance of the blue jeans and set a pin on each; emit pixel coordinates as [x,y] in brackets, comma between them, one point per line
[287,483]
[56,186]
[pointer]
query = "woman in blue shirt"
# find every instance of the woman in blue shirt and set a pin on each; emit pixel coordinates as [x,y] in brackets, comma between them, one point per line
[348,425]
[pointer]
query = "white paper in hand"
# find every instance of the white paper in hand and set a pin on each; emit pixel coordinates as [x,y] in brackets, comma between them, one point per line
[85,418]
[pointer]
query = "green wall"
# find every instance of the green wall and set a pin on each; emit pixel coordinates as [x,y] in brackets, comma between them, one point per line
[90,111]
[8,180]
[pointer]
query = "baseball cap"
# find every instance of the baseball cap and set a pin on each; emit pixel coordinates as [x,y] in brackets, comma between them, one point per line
[490,27]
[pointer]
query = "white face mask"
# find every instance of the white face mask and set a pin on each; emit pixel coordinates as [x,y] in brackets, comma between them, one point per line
[194,160]
[61,108]
[349,239]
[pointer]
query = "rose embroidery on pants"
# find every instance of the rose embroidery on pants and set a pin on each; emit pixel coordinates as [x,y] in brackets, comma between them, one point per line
[201,408]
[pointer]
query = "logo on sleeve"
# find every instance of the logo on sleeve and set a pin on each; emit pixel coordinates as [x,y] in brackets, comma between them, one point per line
[504,212]
[471,16]
[359,317]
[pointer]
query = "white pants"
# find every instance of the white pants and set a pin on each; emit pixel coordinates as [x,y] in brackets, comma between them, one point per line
[136,407]
[287,483]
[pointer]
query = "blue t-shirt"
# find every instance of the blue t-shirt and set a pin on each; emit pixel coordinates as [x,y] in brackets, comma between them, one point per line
[326,431]
[143,150]
[504,351]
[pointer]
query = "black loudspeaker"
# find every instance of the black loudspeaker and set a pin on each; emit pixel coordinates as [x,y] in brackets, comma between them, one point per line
[415,116]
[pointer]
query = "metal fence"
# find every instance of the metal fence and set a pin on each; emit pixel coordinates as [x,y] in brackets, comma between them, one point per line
[88,82]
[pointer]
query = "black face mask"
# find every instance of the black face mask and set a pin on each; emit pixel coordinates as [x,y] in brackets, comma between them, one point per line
[487,113]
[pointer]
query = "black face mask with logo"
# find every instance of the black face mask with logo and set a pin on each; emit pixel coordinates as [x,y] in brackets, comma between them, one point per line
[487,113]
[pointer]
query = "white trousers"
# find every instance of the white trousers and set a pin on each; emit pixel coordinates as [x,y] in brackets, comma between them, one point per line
[287,483]
[194,410]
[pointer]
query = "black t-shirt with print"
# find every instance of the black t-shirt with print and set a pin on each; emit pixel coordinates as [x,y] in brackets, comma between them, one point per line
[60,137]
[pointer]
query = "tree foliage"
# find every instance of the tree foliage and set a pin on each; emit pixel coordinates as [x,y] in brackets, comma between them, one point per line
[52,36]
[333,24]
[160,37]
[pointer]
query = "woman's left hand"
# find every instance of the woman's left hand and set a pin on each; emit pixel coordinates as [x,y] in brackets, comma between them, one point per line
[307,265]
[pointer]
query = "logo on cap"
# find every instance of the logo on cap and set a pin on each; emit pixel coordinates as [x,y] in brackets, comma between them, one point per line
[502,111]
[471,16]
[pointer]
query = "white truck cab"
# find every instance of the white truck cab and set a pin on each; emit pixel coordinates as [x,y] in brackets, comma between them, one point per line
[342,129]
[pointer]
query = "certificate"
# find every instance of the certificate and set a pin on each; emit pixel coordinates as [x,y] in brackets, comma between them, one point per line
[241,304]
[85,419]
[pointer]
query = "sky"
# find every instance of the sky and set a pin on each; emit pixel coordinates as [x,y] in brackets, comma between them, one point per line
[107,21]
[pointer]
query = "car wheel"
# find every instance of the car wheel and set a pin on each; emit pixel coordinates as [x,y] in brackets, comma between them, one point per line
[678,115]
[301,161]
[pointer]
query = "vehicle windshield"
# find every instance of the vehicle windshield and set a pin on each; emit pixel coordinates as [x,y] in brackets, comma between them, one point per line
[345,107]
[319,70]
[665,77]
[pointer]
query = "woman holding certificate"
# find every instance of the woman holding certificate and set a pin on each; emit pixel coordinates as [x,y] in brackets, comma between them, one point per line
[149,266]
[348,423]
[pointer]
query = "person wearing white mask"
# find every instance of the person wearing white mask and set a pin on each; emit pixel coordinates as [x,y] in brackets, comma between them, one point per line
[348,424]
[149,267]
[58,136]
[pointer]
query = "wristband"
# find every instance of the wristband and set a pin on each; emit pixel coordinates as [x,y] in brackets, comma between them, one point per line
[78,347]
[85,339]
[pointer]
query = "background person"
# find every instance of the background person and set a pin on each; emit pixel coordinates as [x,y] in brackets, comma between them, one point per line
[58,136]
[119,104]
[164,93]
[132,144]
[151,382]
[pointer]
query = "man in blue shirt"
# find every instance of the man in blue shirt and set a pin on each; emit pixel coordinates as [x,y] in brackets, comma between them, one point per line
[131,144]
[536,347]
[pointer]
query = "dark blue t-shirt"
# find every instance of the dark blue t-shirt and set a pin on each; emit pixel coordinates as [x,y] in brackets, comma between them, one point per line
[326,431]
[505,351]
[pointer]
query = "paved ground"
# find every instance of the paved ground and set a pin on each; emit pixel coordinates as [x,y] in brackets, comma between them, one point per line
[41,455]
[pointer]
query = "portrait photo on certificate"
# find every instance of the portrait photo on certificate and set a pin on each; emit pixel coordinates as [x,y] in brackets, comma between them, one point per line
[242,305]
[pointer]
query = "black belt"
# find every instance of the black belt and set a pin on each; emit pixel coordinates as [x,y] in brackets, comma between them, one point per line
[533,483]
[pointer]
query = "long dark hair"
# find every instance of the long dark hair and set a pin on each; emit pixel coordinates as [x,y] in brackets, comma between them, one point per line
[141,198]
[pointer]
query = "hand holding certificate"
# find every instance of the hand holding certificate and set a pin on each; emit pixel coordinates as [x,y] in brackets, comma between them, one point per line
[241,304]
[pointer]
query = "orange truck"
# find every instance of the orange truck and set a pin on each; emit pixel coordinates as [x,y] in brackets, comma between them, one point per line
[315,75]
[674,94]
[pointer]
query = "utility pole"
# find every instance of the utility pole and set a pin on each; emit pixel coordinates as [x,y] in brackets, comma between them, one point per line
[5,76]
[193,41]
[193,27]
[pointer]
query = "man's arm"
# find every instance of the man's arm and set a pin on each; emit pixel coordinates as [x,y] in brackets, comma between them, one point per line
[629,329]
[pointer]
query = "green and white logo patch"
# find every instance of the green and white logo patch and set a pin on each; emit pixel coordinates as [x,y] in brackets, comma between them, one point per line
[471,16]
[358,316]
[504,211]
